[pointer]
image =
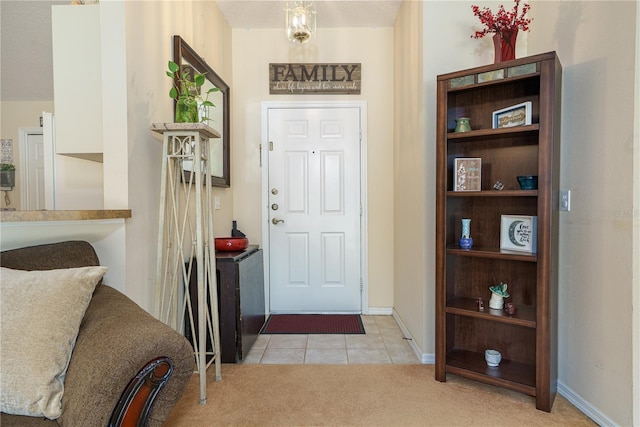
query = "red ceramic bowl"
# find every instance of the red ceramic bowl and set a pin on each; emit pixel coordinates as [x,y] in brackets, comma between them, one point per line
[231,243]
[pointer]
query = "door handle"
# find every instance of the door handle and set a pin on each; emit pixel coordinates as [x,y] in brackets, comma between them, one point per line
[275,221]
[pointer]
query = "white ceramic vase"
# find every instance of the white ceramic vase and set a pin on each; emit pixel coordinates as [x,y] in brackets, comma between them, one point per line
[496,302]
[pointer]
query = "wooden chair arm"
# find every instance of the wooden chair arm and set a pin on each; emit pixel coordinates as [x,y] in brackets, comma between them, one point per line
[138,397]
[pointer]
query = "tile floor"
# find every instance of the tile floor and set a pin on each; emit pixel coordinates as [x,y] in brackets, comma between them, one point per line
[382,343]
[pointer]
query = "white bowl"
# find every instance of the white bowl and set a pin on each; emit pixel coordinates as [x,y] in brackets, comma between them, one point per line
[493,357]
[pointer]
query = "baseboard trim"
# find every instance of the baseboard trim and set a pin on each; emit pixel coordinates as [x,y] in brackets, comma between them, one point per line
[565,391]
[424,358]
[584,406]
[379,311]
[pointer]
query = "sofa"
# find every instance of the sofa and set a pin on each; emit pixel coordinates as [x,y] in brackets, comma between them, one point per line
[126,368]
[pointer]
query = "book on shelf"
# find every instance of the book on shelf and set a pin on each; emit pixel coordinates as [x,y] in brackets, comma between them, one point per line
[467,174]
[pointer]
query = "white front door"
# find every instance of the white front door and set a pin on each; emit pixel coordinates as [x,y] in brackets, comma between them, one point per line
[314,210]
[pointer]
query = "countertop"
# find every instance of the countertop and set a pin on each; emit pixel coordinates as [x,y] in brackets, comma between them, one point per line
[76,215]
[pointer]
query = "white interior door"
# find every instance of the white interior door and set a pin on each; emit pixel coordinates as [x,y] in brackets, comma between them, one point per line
[314,210]
[33,172]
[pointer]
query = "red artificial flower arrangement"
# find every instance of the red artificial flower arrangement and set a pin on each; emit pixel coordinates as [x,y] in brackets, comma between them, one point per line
[503,21]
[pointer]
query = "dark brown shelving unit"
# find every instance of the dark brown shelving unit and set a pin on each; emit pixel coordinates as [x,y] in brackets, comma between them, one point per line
[528,338]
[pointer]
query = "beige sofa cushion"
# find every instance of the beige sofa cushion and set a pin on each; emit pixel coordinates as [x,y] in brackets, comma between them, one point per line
[41,314]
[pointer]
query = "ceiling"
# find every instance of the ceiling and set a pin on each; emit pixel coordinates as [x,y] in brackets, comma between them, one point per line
[330,13]
[25,34]
[25,50]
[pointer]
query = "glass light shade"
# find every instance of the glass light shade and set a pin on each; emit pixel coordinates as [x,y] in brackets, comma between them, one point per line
[300,21]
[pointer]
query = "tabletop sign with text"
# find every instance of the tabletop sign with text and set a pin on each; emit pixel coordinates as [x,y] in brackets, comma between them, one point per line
[298,79]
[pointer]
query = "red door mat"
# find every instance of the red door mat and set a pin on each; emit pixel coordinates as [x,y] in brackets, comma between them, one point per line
[313,324]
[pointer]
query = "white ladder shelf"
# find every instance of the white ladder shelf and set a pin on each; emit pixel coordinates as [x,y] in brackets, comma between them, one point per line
[185,234]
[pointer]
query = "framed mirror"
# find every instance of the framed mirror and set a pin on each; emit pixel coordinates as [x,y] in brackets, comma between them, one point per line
[219,155]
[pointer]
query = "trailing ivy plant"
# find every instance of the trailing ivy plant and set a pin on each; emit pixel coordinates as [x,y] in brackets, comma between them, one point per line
[188,90]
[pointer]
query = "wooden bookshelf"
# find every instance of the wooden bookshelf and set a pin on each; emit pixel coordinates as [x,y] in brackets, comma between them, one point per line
[527,339]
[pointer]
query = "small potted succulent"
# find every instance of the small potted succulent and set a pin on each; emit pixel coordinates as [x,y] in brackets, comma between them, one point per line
[498,294]
[7,175]
[186,90]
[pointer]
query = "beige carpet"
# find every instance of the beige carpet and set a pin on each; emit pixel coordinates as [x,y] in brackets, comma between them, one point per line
[358,395]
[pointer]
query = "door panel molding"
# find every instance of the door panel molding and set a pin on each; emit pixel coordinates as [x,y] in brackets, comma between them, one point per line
[329,130]
[29,187]
[330,182]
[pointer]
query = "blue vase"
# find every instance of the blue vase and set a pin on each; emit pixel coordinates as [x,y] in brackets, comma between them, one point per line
[466,242]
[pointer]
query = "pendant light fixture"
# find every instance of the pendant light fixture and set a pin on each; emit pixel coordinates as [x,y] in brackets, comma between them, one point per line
[300,18]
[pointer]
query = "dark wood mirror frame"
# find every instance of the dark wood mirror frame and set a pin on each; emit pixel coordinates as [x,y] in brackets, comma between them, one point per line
[182,51]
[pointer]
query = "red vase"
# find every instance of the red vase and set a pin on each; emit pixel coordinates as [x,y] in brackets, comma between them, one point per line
[504,45]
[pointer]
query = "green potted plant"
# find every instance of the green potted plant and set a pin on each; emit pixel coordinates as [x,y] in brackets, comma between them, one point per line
[7,175]
[186,90]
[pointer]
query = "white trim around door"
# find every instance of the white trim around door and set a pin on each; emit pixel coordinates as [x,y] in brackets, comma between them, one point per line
[362,106]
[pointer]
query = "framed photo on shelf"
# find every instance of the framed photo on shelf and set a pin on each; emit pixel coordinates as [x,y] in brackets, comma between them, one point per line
[516,115]
[518,233]
[466,174]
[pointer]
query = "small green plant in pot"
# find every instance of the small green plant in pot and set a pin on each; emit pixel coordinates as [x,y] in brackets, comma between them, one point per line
[186,91]
[7,175]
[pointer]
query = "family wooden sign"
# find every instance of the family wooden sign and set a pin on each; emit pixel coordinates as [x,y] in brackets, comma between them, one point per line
[298,79]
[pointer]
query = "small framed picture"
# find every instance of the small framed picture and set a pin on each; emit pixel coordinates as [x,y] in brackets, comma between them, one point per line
[516,115]
[467,174]
[518,233]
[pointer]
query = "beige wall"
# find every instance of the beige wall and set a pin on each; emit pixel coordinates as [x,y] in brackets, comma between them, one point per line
[253,50]
[458,53]
[413,205]
[596,237]
[150,26]
[599,155]
[635,358]
[13,116]
[597,258]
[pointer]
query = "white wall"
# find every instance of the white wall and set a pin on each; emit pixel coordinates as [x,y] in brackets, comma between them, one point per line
[253,50]
[150,26]
[114,105]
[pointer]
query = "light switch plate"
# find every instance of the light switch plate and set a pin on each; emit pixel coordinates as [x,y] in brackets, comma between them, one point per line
[565,200]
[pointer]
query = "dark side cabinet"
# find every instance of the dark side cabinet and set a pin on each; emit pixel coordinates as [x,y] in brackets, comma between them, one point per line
[527,339]
[241,298]
[241,312]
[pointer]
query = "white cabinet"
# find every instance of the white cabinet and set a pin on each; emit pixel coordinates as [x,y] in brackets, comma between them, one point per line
[90,90]
[77,80]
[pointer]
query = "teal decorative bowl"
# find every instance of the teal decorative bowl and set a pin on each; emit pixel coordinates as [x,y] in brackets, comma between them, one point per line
[528,182]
